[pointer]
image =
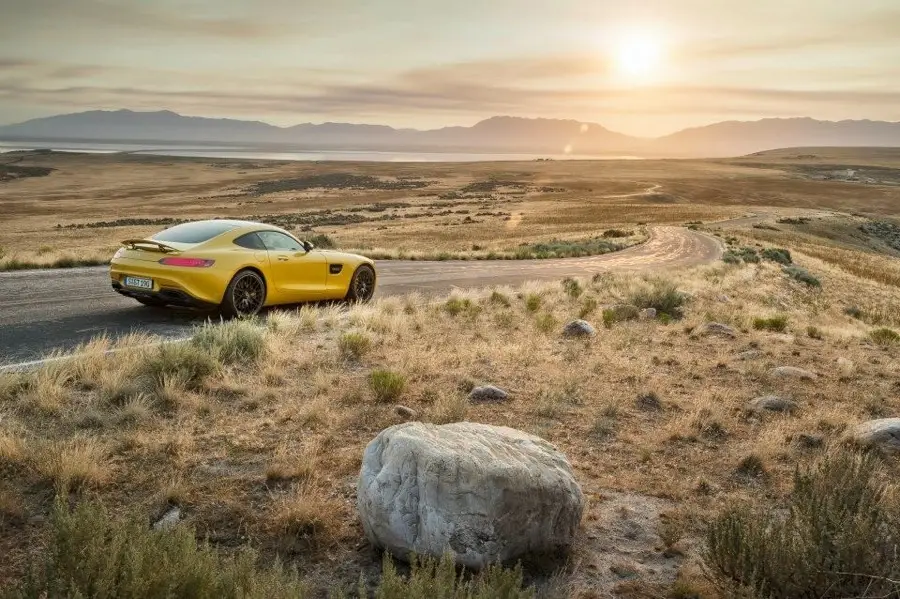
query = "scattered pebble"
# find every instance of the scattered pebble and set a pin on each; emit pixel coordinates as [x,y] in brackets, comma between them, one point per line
[488,393]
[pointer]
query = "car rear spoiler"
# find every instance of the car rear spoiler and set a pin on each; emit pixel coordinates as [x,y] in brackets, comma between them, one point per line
[153,245]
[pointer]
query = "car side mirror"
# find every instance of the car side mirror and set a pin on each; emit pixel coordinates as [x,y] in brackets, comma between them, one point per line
[308,246]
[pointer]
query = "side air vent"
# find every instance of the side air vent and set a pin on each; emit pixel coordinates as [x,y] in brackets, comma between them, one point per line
[335,269]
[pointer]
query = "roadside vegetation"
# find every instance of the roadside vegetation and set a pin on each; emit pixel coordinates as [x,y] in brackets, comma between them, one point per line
[225,466]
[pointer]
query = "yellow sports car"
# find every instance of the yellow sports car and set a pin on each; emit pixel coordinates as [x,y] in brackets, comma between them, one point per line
[236,266]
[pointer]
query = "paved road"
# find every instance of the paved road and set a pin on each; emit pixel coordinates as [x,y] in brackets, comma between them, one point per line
[46,310]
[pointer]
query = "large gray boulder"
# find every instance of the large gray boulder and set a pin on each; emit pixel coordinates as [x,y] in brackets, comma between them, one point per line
[883,434]
[487,493]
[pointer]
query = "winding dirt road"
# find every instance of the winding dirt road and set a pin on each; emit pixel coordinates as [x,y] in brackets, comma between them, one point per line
[46,310]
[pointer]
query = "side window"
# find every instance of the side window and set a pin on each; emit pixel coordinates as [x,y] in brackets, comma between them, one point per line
[279,241]
[251,241]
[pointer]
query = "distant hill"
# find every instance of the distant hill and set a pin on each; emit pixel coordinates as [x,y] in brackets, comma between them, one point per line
[493,135]
[734,138]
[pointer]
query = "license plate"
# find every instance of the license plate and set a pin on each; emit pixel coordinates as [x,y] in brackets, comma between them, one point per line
[139,282]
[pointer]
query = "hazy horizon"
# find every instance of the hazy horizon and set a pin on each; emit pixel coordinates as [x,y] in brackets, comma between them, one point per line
[646,69]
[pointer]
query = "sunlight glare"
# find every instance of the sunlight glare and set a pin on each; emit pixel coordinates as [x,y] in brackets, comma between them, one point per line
[638,55]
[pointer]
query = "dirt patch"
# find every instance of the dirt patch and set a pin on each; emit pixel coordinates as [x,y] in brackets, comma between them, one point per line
[621,544]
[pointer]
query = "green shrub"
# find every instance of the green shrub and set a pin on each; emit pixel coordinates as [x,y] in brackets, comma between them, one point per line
[773,323]
[566,249]
[320,240]
[532,302]
[853,312]
[91,556]
[545,322]
[748,255]
[386,385]
[188,362]
[232,341]
[620,313]
[802,275]
[499,299]
[838,539]
[456,306]
[588,306]
[433,579]
[615,233]
[354,345]
[662,296]
[730,257]
[884,337]
[572,287]
[779,255]
[814,332]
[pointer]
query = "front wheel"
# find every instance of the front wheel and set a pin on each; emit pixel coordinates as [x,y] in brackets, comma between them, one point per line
[244,296]
[362,285]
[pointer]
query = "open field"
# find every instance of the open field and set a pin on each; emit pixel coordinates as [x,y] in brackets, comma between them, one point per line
[251,434]
[78,212]
[255,431]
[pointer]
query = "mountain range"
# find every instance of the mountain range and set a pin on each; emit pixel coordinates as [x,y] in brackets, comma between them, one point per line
[501,134]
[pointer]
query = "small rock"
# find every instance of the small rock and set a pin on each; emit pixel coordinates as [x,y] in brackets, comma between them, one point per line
[807,441]
[715,329]
[771,403]
[579,328]
[648,314]
[407,413]
[488,393]
[724,298]
[169,519]
[750,354]
[793,372]
[883,433]
[649,402]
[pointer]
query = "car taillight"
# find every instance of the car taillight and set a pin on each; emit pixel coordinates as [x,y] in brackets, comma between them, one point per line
[192,262]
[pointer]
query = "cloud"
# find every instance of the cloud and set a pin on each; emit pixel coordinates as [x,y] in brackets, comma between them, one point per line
[126,14]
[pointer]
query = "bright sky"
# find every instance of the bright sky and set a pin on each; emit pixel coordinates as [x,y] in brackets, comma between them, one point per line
[639,67]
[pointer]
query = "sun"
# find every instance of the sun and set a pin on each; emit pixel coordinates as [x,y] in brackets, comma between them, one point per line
[638,56]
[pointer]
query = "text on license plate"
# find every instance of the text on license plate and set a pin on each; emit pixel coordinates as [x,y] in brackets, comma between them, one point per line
[139,282]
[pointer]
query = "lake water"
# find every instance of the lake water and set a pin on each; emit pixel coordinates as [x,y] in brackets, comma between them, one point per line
[214,151]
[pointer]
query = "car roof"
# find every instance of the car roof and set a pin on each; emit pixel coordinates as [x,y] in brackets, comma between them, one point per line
[242,225]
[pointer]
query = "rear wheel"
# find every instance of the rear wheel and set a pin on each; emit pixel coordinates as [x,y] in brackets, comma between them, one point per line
[362,285]
[245,295]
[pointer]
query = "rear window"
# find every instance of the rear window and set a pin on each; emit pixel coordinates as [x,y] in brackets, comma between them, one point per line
[250,241]
[194,232]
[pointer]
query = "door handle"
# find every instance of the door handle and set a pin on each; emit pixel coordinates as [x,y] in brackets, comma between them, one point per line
[283,258]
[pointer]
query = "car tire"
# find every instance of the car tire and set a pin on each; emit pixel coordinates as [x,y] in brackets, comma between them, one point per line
[151,302]
[362,284]
[245,295]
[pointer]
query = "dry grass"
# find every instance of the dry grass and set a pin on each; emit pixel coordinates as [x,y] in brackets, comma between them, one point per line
[265,444]
[565,200]
[71,464]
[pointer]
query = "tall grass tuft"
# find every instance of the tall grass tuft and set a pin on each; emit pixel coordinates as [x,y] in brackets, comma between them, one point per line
[386,385]
[661,295]
[187,362]
[232,341]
